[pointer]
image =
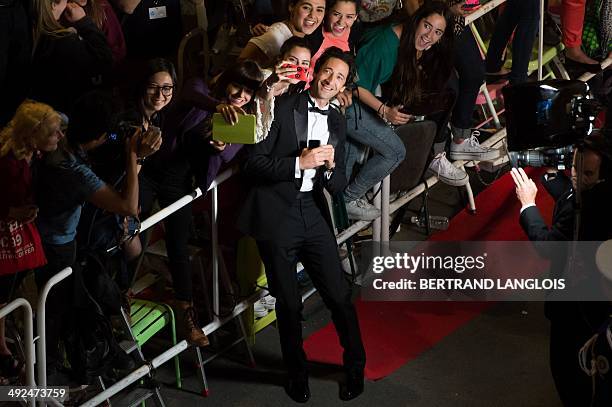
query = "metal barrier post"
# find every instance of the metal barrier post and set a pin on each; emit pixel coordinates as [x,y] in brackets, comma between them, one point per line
[41,347]
[376,226]
[384,217]
[214,252]
[29,337]
[541,40]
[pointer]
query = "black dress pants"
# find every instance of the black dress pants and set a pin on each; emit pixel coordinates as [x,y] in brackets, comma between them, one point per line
[305,236]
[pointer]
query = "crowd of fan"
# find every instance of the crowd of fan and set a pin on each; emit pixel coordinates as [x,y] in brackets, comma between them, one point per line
[95,130]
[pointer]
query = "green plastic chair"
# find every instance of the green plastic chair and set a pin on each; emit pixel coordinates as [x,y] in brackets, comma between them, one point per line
[147,319]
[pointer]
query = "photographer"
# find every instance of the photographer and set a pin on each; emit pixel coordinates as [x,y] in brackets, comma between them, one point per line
[64,181]
[572,323]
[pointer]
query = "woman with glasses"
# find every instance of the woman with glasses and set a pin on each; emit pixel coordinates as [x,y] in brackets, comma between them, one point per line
[187,151]
[35,127]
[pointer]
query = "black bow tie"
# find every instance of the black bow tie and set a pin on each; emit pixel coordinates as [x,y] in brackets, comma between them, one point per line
[314,108]
[318,110]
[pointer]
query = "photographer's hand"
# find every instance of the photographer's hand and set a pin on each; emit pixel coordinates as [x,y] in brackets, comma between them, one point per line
[150,142]
[526,189]
[24,214]
[132,144]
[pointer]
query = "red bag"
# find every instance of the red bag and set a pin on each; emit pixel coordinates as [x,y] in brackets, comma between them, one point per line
[20,247]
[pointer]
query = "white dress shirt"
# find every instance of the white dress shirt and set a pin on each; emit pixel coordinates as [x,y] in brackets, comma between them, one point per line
[317,130]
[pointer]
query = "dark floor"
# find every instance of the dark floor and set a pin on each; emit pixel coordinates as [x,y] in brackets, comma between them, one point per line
[498,359]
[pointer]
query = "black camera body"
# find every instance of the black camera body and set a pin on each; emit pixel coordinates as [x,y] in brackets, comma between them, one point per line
[120,131]
[545,119]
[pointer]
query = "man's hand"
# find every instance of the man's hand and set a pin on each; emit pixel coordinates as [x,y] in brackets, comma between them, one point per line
[526,189]
[23,214]
[259,29]
[230,112]
[73,13]
[394,115]
[316,157]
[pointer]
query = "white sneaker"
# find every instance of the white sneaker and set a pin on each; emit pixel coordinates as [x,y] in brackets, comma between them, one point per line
[360,209]
[447,172]
[470,149]
[268,302]
[260,309]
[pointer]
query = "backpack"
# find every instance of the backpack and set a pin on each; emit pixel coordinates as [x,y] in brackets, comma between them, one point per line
[91,346]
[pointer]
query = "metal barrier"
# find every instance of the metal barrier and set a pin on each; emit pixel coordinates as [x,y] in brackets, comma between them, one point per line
[41,346]
[29,337]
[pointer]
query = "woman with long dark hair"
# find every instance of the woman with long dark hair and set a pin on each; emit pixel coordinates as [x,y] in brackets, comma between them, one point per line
[405,60]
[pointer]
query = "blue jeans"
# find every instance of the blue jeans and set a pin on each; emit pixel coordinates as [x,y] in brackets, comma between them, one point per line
[523,15]
[388,150]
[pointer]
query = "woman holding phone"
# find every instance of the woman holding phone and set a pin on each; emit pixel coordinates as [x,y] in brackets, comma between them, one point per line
[187,151]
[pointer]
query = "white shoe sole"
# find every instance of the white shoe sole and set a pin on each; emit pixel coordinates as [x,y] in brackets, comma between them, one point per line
[450,181]
[360,217]
[488,156]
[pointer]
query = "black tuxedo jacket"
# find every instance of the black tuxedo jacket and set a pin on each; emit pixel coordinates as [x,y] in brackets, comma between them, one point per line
[270,168]
[562,228]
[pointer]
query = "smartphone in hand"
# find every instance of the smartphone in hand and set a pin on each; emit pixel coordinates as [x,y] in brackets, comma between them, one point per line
[301,74]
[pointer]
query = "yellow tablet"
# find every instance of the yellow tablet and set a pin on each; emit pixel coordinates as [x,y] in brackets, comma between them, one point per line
[242,132]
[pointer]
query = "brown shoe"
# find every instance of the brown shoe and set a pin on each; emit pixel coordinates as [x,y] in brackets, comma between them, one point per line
[189,324]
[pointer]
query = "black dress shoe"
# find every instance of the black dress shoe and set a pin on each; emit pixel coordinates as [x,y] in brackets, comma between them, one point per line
[298,390]
[353,386]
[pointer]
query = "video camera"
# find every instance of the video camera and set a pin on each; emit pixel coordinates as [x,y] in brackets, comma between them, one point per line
[546,119]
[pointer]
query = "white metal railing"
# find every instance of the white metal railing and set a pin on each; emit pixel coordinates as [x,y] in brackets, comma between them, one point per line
[29,337]
[41,346]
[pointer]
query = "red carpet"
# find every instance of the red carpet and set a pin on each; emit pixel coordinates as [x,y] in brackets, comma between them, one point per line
[396,332]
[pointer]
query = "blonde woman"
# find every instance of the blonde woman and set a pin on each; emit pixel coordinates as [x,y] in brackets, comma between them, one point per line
[71,54]
[35,127]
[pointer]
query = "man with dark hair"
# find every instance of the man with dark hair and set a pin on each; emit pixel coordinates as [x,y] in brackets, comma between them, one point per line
[287,213]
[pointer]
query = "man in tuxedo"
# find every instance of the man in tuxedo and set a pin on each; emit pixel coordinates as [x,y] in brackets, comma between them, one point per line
[287,213]
[571,323]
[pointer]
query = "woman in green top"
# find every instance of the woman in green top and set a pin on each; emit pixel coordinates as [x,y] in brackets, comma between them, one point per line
[405,60]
